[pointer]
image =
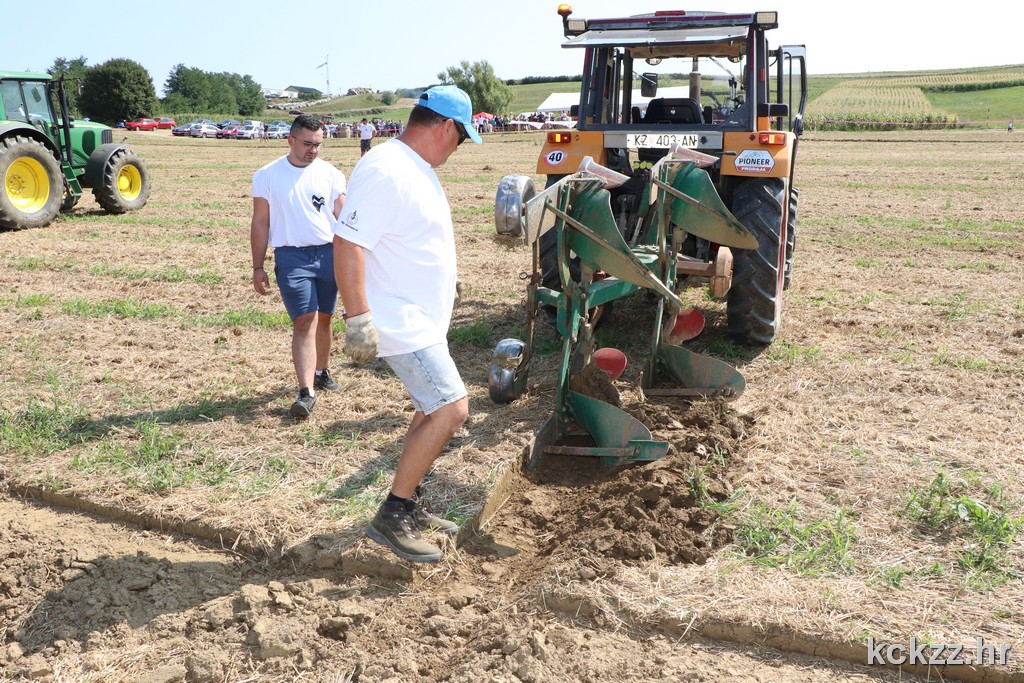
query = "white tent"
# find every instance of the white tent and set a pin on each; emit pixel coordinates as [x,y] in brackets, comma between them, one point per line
[561,101]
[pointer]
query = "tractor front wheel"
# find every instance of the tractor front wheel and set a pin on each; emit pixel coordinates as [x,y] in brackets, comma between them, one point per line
[124,185]
[30,184]
[755,300]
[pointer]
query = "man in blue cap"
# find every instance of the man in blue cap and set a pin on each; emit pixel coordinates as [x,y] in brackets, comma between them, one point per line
[394,250]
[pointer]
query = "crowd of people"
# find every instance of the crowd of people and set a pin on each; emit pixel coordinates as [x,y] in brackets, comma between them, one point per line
[384,241]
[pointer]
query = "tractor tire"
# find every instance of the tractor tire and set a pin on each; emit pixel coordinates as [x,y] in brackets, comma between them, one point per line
[755,300]
[124,185]
[794,201]
[549,253]
[31,184]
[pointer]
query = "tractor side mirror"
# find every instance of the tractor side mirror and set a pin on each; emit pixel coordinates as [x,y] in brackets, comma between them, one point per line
[574,111]
[648,85]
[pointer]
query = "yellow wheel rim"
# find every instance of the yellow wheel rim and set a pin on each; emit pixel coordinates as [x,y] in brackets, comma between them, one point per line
[27,185]
[129,182]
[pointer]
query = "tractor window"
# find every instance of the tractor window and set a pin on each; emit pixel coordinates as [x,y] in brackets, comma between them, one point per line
[14,106]
[38,106]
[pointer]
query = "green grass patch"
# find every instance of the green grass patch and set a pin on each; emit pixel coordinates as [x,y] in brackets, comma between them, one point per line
[246,317]
[791,354]
[32,300]
[121,308]
[154,459]
[778,537]
[44,426]
[960,362]
[477,334]
[957,307]
[172,274]
[981,516]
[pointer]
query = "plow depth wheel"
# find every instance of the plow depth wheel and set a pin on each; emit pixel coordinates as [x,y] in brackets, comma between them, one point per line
[32,184]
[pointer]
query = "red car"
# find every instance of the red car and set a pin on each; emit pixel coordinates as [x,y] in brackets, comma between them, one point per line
[229,131]
[166,122]
[142,124]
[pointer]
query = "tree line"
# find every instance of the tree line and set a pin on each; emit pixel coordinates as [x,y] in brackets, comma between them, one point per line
[122,89]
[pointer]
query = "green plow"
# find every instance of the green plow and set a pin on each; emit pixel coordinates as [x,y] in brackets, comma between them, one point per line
[679,199]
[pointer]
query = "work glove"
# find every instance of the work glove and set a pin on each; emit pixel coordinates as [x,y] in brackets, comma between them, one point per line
[361,338]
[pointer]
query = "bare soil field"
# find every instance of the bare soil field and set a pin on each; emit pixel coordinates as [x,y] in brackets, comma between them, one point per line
[163,518]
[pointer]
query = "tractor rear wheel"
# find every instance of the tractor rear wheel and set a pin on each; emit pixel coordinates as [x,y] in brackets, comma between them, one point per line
[32,184]
[755,300]
[124,185]
[794,201]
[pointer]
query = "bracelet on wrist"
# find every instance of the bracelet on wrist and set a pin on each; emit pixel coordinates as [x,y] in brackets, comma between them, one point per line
[257,267]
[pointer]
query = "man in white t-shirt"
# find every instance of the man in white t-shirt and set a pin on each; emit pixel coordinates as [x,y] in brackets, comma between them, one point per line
[296,201]
[394,258]
[367,131]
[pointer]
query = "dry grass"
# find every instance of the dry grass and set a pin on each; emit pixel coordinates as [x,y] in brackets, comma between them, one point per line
[900,358]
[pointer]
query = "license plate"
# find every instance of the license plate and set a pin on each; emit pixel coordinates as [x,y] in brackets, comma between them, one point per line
[661,140]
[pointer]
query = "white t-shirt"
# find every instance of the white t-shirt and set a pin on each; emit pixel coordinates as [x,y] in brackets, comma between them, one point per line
[397,211]
[301,201]
[366,130]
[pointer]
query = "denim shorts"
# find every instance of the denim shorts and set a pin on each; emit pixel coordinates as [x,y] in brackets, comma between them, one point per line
[306,278]
[430,377]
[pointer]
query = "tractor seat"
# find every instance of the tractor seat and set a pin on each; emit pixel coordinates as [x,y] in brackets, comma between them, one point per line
[673,110]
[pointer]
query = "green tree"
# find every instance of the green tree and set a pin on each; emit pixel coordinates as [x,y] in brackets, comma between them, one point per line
[488,92]
[388,98]
[73,71]
[117,89]
[192,84]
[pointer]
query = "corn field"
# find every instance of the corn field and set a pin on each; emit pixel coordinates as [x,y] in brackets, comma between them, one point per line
[874,104]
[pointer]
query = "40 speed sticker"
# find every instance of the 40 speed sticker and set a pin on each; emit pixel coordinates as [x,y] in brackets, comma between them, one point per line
[755,161]
[556,157]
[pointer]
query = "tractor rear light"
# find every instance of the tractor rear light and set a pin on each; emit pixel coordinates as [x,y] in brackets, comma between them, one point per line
[670,13]
[576,26]
[776,139]
[766,20]
[560,138]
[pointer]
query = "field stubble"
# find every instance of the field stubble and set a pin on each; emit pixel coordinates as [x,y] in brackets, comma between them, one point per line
[869,479]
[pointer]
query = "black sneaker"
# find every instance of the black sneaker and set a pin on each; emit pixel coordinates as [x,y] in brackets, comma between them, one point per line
[395,527]
[303,406]
[325,381]
[428,522]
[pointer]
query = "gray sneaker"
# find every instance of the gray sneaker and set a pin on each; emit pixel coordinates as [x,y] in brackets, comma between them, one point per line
[428,522]
[324,381]
[395,526]
[303,406]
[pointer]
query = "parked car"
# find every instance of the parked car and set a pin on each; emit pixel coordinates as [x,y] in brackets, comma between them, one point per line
[204,130]
[141,124]
[278,132]
[249,132]
[228,131]
[227,122]
[166,122]
[183,130]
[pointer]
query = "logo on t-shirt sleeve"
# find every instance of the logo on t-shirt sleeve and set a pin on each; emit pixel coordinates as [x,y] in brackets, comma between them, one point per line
[351,220]
[318,201]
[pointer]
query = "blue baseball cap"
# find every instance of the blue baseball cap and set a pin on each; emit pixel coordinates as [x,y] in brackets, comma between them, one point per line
[451,102]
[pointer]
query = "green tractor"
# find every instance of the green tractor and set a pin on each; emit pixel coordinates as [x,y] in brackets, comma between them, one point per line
[47,159]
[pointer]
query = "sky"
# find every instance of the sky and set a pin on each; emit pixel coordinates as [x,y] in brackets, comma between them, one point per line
[407,43]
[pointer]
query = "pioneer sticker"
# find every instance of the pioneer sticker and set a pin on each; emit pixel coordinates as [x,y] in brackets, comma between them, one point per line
[755,161]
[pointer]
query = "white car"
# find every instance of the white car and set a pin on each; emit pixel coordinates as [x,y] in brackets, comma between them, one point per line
[204,130]
[249,132]
[278,132]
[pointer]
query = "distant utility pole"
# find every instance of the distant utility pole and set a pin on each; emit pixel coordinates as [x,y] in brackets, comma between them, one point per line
[327,70]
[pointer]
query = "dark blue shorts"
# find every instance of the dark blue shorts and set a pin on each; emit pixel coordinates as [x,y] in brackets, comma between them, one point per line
[306,278]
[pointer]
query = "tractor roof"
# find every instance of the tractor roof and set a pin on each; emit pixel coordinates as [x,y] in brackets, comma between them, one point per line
[25,76]
[664,34]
